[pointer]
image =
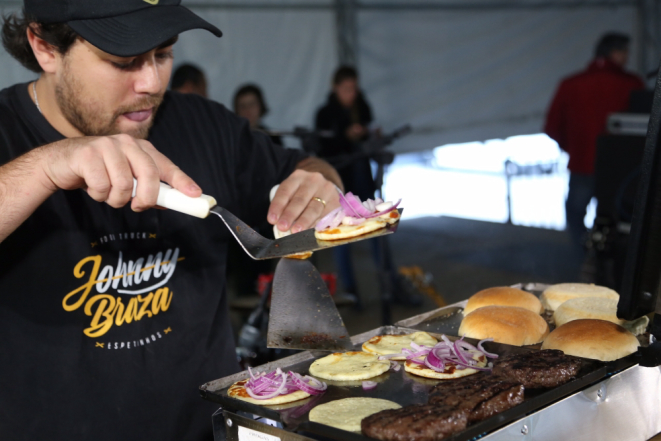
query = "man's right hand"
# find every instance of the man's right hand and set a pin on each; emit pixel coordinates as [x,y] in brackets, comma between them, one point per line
[106,166]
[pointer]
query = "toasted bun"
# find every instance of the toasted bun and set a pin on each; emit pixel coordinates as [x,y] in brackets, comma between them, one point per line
[504,296]
[591,338]
[587,308]
[505,324]
[556,295]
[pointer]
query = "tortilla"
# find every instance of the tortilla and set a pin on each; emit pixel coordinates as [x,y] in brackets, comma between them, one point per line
[450,371]
[393,344]
[238,391]
[346,414]
[392,217]
[349,366]
[278,234]
[349,231]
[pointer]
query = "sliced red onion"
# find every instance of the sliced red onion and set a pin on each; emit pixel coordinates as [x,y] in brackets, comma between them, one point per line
[353,207]
[418,347]
[331,220]
[348,220]
[388,210]
[378,201]
[369,385]
[433,362]
[388,356]
[457,351]
[370,205]
[481,349]
[308,384]
[383,206]
[273,394]
[264,386]
[395,366]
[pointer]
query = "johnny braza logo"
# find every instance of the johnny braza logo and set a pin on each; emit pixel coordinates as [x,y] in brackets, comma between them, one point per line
[140,282]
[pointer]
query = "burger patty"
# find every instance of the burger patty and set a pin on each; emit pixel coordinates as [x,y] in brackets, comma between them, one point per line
[537,369]
[483,395]
[421,422]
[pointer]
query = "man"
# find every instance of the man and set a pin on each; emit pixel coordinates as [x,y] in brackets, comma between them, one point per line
[189,79]
[577,116]
[112,315]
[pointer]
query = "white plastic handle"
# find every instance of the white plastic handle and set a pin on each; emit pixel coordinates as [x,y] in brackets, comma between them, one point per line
[276,232]
[175,200]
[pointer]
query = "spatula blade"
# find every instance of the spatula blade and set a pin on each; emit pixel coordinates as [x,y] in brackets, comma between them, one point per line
[259,248]
[303,314]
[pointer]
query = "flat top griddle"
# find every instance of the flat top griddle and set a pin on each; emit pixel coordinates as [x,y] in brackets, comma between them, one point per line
[400,387]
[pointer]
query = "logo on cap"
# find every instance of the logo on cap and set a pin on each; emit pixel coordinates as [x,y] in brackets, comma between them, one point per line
[151,2]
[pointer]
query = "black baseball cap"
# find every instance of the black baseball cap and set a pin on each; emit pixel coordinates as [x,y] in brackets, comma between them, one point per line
[124,28]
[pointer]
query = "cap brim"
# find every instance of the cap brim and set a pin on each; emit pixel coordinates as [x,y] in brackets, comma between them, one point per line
[133,34]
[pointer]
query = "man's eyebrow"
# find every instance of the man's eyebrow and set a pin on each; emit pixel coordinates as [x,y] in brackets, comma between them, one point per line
[169,42]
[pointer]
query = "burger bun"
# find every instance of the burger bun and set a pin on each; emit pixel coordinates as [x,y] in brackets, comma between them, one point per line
[505,324]
[556,295]
[592,338]
[503,296]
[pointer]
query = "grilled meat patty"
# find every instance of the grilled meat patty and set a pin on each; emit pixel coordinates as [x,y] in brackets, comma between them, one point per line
[537,369]
[483,395]
[421,422]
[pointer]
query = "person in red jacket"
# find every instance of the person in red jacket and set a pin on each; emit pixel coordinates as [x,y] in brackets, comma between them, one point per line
[578,114]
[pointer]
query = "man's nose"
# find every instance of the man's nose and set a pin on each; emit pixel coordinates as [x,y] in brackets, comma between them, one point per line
[147,78]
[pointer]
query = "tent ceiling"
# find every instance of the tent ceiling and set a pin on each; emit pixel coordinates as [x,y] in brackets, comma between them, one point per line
[458,70]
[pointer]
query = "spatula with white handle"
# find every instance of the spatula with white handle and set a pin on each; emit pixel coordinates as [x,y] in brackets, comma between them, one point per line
[257,246]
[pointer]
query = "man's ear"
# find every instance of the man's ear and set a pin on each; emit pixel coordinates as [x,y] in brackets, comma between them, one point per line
[44,52]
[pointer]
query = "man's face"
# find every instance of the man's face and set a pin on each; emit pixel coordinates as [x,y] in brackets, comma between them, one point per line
[101,94]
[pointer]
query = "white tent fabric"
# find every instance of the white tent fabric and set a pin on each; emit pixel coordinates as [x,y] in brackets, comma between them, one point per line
[469,75]
[456,75]
[289,53]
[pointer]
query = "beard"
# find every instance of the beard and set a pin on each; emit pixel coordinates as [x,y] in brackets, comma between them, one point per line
[87,115]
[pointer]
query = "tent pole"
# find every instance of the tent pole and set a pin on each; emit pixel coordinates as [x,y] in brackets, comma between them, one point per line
[347,32]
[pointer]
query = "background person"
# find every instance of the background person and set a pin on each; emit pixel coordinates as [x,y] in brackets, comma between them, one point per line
[578,114]
[188,78]
[249,103]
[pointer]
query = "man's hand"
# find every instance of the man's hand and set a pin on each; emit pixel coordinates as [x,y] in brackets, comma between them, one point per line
[294,205]
[106,166]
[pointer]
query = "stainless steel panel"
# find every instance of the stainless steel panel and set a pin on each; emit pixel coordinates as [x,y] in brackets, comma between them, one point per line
[625,407]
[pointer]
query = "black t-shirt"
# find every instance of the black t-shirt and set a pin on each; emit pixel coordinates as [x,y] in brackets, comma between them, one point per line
[110,320]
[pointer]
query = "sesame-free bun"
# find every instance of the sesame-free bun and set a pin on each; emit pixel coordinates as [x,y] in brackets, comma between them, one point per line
[587,308]
[591,338]
[505,324]
[503,296]
[556,295]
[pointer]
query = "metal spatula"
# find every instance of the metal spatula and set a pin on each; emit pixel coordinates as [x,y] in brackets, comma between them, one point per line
[303,314]
[257,246]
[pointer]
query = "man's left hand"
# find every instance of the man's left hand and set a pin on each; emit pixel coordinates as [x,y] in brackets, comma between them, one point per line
[294,205]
